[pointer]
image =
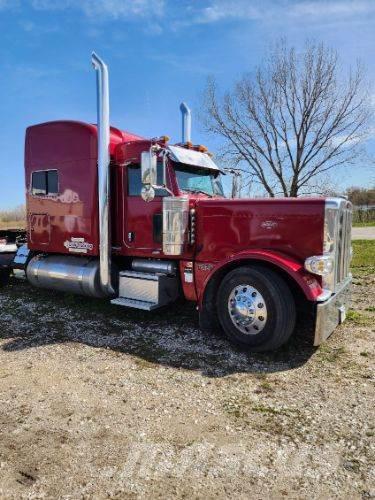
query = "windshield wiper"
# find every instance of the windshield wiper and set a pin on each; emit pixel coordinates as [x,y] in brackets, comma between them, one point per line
[197,191]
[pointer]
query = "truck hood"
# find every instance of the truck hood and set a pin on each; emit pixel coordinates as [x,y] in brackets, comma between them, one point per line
[225,227]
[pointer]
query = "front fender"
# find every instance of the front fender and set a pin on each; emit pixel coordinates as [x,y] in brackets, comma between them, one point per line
[206,271]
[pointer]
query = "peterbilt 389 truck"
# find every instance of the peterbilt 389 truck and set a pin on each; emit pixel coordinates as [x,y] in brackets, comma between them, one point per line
[142,223]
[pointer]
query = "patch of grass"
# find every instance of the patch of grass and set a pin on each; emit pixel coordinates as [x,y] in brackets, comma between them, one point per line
[266,386]
[370,309]
[364,224]
[330,354]
[365,354]
[271,410]
[358,318]
[363,257]
[237,407]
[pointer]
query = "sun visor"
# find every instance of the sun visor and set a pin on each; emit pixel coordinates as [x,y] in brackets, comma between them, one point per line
[191,157]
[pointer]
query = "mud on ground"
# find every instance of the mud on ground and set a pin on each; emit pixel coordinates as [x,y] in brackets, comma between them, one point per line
[104,402]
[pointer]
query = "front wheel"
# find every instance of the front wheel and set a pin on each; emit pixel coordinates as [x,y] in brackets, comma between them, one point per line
[256,308]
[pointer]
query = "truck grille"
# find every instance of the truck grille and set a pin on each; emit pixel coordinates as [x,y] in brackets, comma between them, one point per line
[343,253]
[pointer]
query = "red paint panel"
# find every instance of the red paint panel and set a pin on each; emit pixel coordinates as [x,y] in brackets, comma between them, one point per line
[70,148]
[40,229]
[280,231]
[291,226]
[308,283]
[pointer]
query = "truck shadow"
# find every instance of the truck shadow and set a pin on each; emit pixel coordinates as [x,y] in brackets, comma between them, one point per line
[170,337]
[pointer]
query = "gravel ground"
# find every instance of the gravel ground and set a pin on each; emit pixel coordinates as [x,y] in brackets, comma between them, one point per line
[363,233]
[98,401]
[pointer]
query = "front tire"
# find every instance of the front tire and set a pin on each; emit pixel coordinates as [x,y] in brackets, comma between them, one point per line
[256,308]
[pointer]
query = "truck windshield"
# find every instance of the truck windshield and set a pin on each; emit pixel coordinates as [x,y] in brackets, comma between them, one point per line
[195,180]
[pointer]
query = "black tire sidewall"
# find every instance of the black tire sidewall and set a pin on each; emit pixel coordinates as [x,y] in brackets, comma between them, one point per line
[262,281]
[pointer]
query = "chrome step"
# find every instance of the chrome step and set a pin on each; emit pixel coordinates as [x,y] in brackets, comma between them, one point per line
[135,304]
[146,291]
[139,275]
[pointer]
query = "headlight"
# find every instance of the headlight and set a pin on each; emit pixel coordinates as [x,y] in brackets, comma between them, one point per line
[319,264]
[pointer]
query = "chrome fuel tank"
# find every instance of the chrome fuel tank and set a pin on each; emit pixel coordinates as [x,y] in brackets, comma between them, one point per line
[79,275]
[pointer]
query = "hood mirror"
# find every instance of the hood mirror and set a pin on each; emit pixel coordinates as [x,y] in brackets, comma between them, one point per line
[148,168]
[236,182]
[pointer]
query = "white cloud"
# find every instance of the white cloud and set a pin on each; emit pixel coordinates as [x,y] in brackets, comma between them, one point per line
[218,10]
[334,8]
[207,11]
[228,9]
[105,9]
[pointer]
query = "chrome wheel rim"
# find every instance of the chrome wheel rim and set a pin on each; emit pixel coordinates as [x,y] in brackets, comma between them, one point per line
[247,309]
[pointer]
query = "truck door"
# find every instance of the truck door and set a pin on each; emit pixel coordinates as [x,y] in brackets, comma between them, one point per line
[143,220]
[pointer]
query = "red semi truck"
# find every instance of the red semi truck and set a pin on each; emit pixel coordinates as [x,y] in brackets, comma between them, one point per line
[142,223]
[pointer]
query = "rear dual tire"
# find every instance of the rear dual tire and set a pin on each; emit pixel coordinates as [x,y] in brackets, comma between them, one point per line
[256,308]
[4,277]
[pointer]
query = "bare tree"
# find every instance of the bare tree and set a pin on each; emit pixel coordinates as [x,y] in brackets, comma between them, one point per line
[13,215]
[292,120]
[364,197]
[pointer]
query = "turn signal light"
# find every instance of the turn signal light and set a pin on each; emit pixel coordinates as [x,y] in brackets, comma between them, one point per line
[319,264]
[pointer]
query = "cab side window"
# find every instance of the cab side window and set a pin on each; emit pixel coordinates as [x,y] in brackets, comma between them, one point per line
[135,181]
[44,182]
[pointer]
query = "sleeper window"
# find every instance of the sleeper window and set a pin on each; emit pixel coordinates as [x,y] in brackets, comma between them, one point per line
[52,182]
[44,182]
[39,183]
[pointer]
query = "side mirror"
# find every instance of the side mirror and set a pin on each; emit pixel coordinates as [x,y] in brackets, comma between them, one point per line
[148,168]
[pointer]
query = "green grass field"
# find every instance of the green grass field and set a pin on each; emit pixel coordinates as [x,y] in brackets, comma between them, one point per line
[364,224]
[363,257]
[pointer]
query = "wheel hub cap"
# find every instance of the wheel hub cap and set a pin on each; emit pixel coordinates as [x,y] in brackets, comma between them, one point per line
[247,309]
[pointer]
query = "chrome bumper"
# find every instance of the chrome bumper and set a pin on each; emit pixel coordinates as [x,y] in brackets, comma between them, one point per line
[332,312]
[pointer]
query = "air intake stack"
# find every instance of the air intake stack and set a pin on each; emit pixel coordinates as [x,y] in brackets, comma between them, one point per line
[186,123]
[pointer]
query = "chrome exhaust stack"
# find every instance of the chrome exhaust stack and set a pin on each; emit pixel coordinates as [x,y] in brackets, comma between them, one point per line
[186,123]
[102,88]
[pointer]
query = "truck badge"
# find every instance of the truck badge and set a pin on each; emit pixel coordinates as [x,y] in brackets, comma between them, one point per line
[205,267]
[78,245]
[269,224]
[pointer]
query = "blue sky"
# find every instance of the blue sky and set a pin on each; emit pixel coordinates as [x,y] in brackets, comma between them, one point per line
[159,52]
